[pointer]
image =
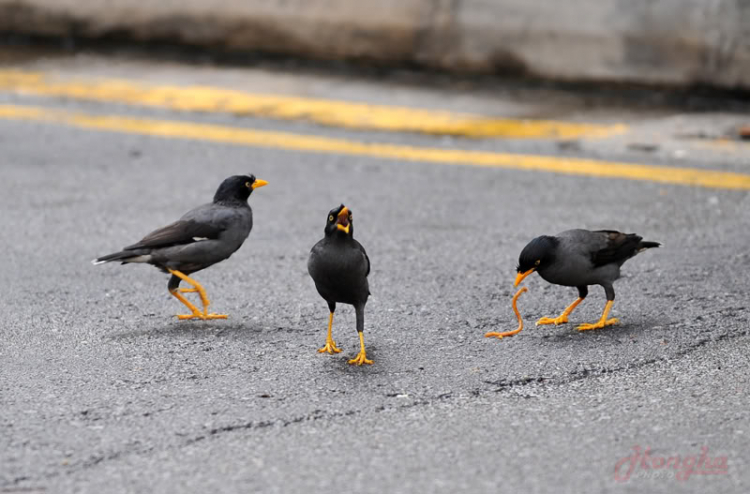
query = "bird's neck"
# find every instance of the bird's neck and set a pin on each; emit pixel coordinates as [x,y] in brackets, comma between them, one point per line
[339,238]
[232,201]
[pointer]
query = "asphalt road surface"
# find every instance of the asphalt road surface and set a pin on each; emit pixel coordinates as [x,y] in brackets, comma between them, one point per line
[103,390]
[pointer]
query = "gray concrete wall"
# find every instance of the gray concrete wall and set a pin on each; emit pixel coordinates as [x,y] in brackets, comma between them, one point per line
[676,42]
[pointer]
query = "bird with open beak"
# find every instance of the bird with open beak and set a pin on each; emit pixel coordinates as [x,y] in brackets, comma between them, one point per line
[339,266]
[580,258]
[202,237]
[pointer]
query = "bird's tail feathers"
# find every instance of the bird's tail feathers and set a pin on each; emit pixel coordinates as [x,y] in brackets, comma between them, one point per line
[124,256]
[647,245]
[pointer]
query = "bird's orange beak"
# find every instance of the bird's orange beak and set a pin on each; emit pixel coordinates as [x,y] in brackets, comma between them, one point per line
[342,221]
[259,183]
[520,276]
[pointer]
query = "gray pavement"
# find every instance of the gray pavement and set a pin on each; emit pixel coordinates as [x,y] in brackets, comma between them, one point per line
[102,390]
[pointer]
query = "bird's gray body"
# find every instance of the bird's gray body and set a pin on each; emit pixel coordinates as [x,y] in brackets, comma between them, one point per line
[339,267]
[203,237]
[230,227]
[574,264]
[582,257]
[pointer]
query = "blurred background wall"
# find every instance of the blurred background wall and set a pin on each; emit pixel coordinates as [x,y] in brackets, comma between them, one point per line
[672,42]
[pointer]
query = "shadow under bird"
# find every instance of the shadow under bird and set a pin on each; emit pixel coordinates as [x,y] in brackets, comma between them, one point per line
[202,237]
[339,266]
[581,258]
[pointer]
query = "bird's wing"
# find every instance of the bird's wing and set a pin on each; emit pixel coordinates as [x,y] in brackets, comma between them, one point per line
[179,233]
[367,259]
[619,247]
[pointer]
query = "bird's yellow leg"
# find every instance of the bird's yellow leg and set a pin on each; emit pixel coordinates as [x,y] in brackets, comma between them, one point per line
[603,321]
[562,318]
[201,292]
[196,313]
[361,357]
[196,287]
[330,344]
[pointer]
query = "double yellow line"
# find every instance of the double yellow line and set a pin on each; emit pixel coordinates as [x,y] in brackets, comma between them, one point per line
[282,140]
[334,113]
[342,114]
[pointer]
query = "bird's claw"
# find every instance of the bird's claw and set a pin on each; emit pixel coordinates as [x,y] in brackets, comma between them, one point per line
[500,336]
[598,325]
[194,315]
[552,320]
[216,316]
[330,347]
[360,359]
[201,316]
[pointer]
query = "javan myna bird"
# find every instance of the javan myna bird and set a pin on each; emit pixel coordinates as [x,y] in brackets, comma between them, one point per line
[339,267]
[202,237]
[581,258]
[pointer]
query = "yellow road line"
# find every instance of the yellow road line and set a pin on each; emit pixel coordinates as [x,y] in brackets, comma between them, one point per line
[326,112]
[282,140]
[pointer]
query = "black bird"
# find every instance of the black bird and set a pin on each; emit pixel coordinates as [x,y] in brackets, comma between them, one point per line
[339,267]
[581,258]
[202,237]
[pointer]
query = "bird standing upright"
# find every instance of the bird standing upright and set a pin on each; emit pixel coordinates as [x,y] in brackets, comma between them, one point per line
[580,258]
[202,237]
[339,266]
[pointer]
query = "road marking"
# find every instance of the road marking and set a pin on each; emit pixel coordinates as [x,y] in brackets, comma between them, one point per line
[297,142]
[325,112]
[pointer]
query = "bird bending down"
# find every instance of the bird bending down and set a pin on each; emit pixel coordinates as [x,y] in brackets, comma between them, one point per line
[202,237]
[339,266]
[581,258]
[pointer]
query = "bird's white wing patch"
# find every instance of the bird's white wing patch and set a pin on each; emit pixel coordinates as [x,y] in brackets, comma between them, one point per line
[198,239]
[144,258]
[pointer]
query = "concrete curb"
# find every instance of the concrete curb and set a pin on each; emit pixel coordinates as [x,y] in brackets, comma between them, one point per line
[672,42]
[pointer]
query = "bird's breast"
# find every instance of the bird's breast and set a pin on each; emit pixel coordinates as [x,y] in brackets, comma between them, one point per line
[331,263]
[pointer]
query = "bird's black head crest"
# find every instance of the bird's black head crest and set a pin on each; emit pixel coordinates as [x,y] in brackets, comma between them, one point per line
[339,222]
[539,253]
[237,188]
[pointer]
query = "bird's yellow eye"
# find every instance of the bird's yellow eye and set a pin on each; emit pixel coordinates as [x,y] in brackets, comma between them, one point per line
[350,216]
[537,263]
[330,218]
[248,185]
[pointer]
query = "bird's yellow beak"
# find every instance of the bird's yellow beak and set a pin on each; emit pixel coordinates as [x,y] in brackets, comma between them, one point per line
[342,222]
[521,276]
[258,183]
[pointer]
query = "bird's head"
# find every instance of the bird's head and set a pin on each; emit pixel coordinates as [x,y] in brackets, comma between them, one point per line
[340,222]
[538,254]
[237,188]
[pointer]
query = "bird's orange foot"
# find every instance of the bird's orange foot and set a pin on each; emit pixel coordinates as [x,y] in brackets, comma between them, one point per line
[500,336]
[552,320]
[329,348]
[360,359]
[597,325]
[216,316]
[188,290]
[201,316]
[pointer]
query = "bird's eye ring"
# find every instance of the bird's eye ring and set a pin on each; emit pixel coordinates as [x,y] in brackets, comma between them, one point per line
[350,216]
[248,185]
[330,218]
[537,263]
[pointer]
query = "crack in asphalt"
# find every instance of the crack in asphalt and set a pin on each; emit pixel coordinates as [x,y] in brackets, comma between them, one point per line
[500,386]
[504,385]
